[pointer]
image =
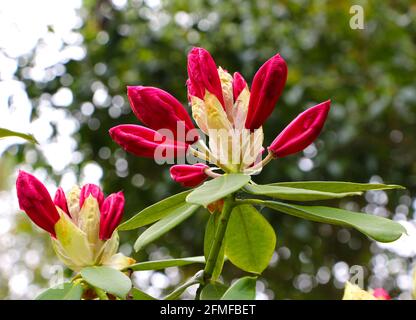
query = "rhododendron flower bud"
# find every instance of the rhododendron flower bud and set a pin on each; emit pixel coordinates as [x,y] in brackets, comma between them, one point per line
[144,142]
[301,132]
[111,214]
[158,109]
[381,294]
[239,84]
[93,190]
[35,200]
[60,200]
[203,75]
[267,86]
[189,175]
[83,234]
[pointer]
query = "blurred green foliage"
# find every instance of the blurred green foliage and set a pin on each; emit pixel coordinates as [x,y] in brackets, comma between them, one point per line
[368,74]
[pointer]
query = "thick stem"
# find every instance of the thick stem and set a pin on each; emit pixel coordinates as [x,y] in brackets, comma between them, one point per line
[249,201]
[218,238]
[101,294]
[197,278]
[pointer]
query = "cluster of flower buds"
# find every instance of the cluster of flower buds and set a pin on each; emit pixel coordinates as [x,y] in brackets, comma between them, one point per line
[226,111]
[354,292]
[81,223]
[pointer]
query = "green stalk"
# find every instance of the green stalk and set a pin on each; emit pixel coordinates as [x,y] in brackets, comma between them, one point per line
[218,238]
[249,201]
[101,293]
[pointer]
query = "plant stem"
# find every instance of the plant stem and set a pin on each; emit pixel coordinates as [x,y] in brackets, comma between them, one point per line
[218,238]
[261,164]
[101,294]
[249,201]
[179,290]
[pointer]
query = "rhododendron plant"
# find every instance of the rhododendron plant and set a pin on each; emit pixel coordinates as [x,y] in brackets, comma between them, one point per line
[229,150]
[223,157]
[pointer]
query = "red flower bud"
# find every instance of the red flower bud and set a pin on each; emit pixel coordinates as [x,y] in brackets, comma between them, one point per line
[267,86]
[238,84]
[189,175]
[93,190]
[60,200]
[111,214]
[203,75]
[158,109]
[143,142]
[35,200]
[382,294]
[301,132]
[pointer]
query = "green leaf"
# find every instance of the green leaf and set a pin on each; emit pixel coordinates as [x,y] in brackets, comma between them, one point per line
[140,295]
[108,279]
[4,133]
[164,225]
[209,239]
[213,291]
[242,289]
[295,194]
[159,210]
[217,188]
[162,264]
[65,291]
[337,186]
[377,228]
[249,239]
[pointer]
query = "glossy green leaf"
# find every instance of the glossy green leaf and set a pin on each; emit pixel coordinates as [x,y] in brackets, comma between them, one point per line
[4,133]
[164,225]
[108,279]
[209,239]
[217,188]
[249,239]
[337,186]
[137,294]
[213,291]
[159,210]
[162,264]
[295,194]
[377,228]
[66,291]
[242,289]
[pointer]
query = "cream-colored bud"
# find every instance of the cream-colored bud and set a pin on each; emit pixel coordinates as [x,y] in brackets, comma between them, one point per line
[73,203]
[227,92]
[71,244]
[216,116]
[89,219]
[119,261]
[240,109]
[199,113]
[354,292]
[108,248]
